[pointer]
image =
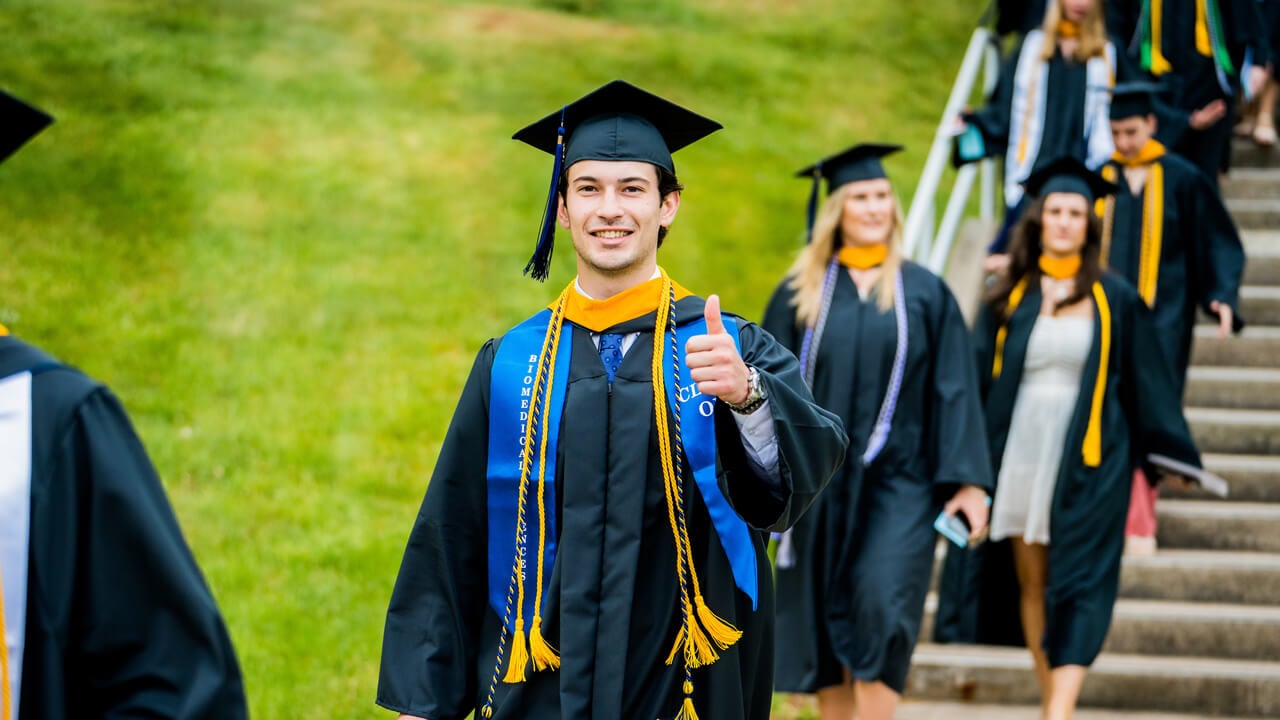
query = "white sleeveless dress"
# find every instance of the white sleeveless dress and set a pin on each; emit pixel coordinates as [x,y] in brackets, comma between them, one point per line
[1050,386]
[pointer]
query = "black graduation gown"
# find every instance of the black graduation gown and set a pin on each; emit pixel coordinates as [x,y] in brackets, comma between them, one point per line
[1201,258]
[1193,82]
[612,606]
[978,597]
[119,622]
[864,553]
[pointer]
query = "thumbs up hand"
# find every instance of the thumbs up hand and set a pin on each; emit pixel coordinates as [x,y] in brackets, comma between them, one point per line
[713,359]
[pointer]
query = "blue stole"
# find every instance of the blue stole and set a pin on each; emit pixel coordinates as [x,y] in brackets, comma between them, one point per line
[511,389]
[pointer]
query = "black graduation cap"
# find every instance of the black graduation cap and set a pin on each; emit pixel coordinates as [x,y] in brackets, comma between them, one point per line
[617,121]
[860,162]
[1132,99]
[1067,174]
[19,122]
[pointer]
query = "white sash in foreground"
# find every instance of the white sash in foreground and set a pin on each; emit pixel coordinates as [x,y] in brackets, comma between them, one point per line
[15,518]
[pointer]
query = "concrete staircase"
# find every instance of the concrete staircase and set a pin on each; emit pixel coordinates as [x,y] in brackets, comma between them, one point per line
[1197,628]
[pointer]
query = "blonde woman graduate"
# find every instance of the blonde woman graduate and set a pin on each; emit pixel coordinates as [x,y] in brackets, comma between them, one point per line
[592,542]
[1075,399]
[883,345]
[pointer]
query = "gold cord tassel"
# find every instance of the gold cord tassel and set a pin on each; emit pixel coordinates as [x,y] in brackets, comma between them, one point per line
[687,712]
[519,656]
[540,651]
[722,633]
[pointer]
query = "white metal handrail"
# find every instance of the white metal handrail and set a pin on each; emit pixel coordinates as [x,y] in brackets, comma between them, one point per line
[922,243]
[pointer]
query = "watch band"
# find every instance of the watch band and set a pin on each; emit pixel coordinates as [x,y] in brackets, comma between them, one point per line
[755,394]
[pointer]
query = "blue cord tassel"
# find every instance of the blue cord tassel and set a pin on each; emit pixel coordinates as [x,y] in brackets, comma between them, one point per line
[813,202]
[540,263]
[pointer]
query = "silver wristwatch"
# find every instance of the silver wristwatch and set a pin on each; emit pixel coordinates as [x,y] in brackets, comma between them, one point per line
[755,394]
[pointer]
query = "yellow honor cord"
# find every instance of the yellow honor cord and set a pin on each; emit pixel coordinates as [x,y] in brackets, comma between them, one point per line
[1105,209]
[862,257]
[1092,450]
[1159,63]
[1015,298]
[1060,268]
[6,699]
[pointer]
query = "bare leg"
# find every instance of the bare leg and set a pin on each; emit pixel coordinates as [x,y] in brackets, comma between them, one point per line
[838,702]
[876,701]
[1066,691]
[1264,132]
[1032,564]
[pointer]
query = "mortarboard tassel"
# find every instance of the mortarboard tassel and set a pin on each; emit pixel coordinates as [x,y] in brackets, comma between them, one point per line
[539,266]
[813,202]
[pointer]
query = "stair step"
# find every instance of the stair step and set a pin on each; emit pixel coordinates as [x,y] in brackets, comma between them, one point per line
[1216,430]
[1251,578]
[1262,268]
[910,709]
[1253,478]
[1165,628]
[1124,682]
[1246,154]
[1262,213]
[1252,182]
[1170,627]
[1257,346]
[1260,304]
[1233,387]
[1214,525]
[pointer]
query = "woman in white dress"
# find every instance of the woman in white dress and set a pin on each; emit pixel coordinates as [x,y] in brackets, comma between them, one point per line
[1070,408]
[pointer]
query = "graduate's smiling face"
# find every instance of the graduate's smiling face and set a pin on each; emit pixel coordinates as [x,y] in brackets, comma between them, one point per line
[868,215]
[614,210]
[1132,133]
[1065,219]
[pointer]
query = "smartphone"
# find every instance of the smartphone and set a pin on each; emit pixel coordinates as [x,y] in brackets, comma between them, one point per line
[953,527]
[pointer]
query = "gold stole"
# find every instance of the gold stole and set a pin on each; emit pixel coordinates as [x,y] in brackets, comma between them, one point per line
[1159,63]
[1092,449]
[1152,217]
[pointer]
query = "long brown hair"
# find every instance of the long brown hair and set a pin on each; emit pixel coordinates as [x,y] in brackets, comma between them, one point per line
[1093,32]
[1024,260]
[810,268]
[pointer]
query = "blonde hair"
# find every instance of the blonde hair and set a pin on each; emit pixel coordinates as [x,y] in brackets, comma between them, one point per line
[1093,32]
[810,268]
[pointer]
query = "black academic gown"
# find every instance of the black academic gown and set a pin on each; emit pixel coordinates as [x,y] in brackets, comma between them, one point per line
[119,622]
[1141,414]
[1201,258]
[1193,82]
[612,600]
[864,553]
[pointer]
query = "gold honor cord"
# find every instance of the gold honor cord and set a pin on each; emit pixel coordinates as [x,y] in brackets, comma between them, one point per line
[1152,235]
[700,628]
[6,698]
[520,652]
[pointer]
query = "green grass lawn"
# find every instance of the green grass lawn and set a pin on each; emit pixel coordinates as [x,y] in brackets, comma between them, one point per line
[280,230]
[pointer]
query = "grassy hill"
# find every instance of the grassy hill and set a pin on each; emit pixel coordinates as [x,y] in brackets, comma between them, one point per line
[280,230]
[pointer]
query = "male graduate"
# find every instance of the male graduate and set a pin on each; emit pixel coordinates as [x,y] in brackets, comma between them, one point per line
[591,544]
[1169,234]
[105,614]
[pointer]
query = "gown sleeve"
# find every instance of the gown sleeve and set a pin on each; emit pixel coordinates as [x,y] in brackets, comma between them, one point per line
[1152,406]
[1219,254]
[811,440]
[780,318]
[993,118]
[148,636]
[432,634]
[959,445]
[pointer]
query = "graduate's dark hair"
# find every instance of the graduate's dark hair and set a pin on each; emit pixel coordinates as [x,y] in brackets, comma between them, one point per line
[667,184]
[1024,259]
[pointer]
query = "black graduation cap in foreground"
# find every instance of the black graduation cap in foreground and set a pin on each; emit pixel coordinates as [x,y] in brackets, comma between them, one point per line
[1067,174]
[19,122]
[1133,99]
[860,162]
[618,122]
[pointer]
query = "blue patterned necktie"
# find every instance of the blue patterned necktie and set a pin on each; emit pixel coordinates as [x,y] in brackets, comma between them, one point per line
[611,353]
